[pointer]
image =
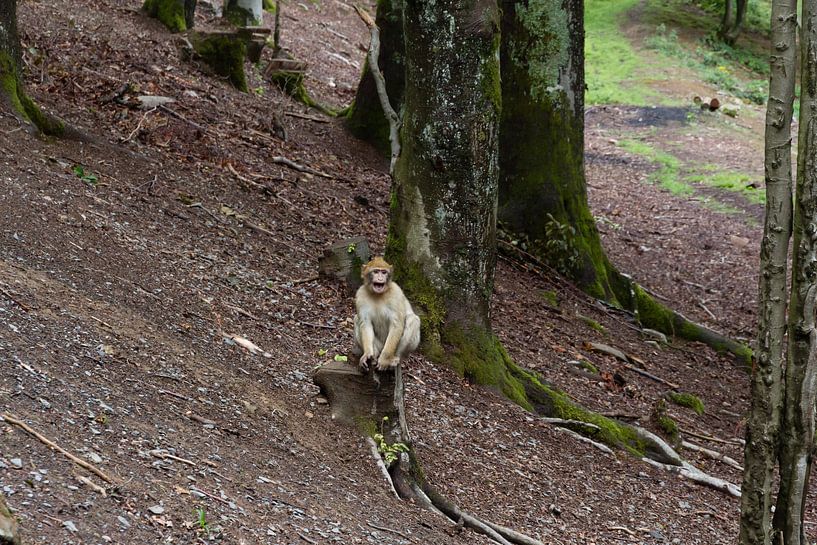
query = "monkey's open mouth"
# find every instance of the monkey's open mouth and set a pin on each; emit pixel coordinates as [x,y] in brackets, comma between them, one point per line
[379,287]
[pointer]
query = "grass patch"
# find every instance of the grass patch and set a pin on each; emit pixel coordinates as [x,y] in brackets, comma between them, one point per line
[730,180]
[611,62]
[717,63]
[669,166]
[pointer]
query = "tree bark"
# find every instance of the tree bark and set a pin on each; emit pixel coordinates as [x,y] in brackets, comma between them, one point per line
[445,189]
[726,19]
[12,91]
[763,425]
[543,191]
[365,119]
[797,432]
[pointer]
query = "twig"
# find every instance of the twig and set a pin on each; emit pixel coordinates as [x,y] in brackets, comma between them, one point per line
[106,324]
[174,394]
[710,438]
[211,496]
[703,306]
[308,540]
[92,485]
[165,455]
[179,116]
[47,442]
[583,439]
[309,117]
[649,375]
[138,125]
[300,168]
[381,465]
[380,83]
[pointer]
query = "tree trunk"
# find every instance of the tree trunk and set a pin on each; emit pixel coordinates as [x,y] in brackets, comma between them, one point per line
[176,15]
[726,19]
[542,185]
[244,12]
[365,118]
[763,425]
[732,34]
[12,92]
[797,432]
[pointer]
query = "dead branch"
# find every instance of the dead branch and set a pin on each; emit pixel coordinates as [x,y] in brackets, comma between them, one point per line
[380,84]
[300,168]
[9,296]
[138,126]
[694,474]
[165,455]
[309,117]
[53,446]
[711,438]
[715,455]
[650,376]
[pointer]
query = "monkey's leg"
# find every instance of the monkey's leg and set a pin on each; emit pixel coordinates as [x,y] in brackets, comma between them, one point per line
[411,337]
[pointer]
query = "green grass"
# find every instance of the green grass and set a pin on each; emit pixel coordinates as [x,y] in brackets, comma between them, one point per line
[616,73]
[731,180]
[669,177]
[669,166]
[611,62]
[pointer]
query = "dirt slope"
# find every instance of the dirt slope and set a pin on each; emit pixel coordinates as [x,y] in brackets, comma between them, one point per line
[118,297]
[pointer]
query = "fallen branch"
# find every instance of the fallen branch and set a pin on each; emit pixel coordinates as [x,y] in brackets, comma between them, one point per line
[380,84]
[8,295]
[694,474]
[711,438]
[715,455]
[47,442]
[650,376]
[300,168]
[165,455]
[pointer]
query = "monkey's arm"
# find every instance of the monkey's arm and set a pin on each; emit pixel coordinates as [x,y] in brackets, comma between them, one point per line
[364,336]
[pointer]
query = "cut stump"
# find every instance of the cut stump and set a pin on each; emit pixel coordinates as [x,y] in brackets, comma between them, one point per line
[344,260]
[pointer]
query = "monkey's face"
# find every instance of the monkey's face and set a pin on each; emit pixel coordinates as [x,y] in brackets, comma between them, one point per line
[379,280]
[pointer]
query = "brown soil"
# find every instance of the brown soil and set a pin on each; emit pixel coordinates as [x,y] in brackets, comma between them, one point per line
[119,297]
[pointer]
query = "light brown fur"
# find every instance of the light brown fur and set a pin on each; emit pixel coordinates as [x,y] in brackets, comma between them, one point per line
[386,328]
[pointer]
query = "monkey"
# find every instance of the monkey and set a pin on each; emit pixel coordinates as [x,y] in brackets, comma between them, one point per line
[386,328]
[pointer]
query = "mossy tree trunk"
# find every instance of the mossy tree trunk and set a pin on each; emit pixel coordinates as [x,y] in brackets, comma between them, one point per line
[542,191]
[797,430]
[365,118]
[763,425]
[442,235]
[244,12]
[176,15]
[729,30]
[12,91]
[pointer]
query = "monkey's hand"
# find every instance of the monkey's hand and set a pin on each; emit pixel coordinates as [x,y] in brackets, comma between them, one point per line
[366,360]
[385,362]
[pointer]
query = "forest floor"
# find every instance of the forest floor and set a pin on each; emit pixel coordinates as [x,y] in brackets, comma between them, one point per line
[129,265]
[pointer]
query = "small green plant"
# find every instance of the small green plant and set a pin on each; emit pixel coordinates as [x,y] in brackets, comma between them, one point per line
[559,247]
[389,452]
[88,177]
[201,519]
[351,248]
[258,91]
[551,298]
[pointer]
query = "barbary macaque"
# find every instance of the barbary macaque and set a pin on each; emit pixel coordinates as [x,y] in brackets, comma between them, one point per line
[386,328]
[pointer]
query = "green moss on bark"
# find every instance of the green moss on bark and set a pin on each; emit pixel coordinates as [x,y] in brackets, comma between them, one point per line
[690,401]
[239,16]
[169,12]
[22,104]
[225,54]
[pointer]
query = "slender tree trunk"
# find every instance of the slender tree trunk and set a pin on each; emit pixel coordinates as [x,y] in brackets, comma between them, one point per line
[365,118]
[763,426]
[726,19]
[731,35]
[797,434]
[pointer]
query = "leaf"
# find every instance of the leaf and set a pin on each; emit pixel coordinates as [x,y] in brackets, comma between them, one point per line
[341,357]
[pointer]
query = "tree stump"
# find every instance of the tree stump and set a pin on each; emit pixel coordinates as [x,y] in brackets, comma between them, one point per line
[344,260]
[363,399]
[224,52]
[8,525]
